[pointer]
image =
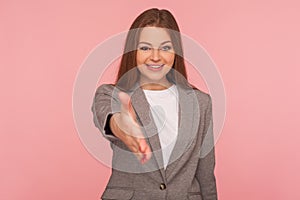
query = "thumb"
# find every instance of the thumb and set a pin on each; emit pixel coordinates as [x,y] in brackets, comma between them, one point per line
[126,106]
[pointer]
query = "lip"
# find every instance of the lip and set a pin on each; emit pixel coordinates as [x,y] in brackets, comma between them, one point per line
[154,67]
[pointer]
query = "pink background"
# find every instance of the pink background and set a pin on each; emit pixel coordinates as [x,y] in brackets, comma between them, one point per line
[255,45]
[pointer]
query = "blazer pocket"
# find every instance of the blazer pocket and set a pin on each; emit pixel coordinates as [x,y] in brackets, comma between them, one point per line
[117,193]
[194,196]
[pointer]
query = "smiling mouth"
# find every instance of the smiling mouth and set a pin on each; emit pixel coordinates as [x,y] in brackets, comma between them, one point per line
[155,66]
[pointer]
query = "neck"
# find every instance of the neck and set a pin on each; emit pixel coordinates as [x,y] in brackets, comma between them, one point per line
[155,86]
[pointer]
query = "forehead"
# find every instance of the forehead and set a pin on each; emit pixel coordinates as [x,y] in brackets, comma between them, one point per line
[154,35]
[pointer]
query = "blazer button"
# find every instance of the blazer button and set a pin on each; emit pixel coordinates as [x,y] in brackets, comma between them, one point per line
[162,186]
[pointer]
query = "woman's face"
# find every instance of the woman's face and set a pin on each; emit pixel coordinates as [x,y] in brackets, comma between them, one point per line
[155,56]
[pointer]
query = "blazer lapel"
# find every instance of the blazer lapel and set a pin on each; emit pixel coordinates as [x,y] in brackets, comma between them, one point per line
[188,123]
[155,165]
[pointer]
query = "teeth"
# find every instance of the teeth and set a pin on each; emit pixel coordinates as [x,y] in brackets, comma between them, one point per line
[155,66]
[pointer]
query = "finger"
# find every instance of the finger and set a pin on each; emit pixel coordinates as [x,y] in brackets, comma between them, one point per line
[142,145]
[139,156]
[125,101]
[132,144]
[145,149]
[148,153]
[140,148]
[145,157]
[134,148]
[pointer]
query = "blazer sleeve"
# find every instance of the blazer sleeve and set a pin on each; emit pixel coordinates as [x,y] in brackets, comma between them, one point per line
[206,164]
[105,104]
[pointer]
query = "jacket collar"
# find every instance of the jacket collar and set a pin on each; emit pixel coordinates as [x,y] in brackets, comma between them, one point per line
[188,122]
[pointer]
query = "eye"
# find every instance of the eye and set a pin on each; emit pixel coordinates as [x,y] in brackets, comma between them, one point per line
[166,48]
[144,48]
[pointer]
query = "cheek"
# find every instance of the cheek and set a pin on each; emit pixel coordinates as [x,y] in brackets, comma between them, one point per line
[141,58]
[169,58]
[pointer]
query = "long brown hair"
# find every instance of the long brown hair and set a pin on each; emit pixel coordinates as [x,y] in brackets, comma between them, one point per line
[156,18]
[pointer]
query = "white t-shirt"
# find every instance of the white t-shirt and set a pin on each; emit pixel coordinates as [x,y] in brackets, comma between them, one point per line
[164,109]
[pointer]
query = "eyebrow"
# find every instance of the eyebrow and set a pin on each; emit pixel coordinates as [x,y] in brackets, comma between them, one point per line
[151,44]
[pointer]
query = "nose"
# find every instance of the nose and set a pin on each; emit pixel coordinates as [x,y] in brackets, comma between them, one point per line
[155,56]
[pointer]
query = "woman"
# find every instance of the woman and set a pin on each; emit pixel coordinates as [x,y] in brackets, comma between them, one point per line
[155,121]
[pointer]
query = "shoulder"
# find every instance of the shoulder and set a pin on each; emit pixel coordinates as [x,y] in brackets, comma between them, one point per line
[105,89]
[204,99]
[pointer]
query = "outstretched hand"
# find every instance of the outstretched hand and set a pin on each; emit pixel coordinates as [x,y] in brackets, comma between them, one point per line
[124,126]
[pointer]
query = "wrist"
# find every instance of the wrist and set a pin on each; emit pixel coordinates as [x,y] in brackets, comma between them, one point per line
[113,124]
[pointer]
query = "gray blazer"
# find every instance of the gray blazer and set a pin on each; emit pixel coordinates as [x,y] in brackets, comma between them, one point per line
[190,172]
